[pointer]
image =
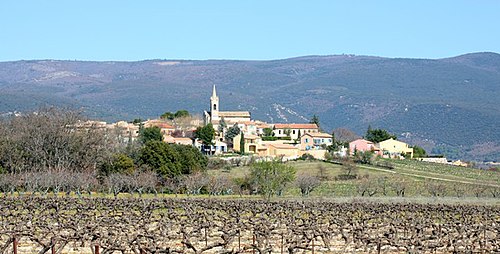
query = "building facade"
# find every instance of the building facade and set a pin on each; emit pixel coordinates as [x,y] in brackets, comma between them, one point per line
[215,115]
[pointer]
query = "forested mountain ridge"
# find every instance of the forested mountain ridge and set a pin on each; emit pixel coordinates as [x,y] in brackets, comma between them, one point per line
[447,105]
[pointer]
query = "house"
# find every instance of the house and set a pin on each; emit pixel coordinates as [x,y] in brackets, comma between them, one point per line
[179,141]
[260,126]
[219,147]
[363,145]
[165,128]
[288,152]
[315,141]
[395,148]
[294,130]
[439,159]
[214,116]
[248,127]
[459,163]
[252,144]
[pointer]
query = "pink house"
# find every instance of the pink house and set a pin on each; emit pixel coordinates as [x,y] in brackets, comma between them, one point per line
[363,145]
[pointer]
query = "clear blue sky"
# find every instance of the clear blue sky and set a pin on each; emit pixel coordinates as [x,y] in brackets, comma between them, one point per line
[244,29]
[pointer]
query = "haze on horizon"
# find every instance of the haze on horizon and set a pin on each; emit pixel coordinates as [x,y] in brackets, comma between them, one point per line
[246,30]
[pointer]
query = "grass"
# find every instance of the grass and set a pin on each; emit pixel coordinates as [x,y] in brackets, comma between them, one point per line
[416,174]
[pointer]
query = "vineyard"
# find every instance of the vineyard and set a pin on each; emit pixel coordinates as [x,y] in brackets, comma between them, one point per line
[129,225]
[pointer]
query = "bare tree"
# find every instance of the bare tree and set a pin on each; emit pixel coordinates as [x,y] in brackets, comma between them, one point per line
[145,182]
[307,183]
[195,182]
[399,185]
[219,185]
[345,135]
[435,188]
[117,183]
[367,187]
[51,139]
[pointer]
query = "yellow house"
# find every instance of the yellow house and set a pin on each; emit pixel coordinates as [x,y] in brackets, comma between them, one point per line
[283,150]
[393,148]
[252,144]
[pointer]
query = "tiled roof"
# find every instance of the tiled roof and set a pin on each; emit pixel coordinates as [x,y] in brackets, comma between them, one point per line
[183,139]
[234,113]
[360,139]
[250,136]
[283,146]
[295,126]
[319,135]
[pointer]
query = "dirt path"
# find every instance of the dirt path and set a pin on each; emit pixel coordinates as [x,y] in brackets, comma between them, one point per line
[428,177]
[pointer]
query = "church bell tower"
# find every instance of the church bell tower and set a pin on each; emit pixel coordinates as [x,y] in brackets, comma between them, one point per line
[214,105]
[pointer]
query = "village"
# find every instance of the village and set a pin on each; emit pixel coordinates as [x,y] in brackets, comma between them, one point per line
[235,133]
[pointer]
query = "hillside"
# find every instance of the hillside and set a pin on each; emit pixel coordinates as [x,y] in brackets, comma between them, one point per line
[447,105]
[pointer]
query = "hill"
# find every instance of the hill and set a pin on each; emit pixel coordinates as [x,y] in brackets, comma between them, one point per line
[447,105]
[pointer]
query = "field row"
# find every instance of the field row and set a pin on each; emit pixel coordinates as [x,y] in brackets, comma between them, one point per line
[237,226]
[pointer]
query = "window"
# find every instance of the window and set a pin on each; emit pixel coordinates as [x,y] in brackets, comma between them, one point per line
[307,140]
[215,106]
[293,131]
[279,132]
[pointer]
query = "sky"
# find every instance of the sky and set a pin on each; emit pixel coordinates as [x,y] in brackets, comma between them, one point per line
[126,30]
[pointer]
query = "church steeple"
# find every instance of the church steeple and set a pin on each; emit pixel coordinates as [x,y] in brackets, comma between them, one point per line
[214,93]
[214,104]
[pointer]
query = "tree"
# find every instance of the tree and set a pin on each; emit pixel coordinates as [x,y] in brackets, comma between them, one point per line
[418,152]
[242,143]
[206,134]
[161,157]
[182,113]
[178,114]
[350,171]
[191,159]
[120,163]
[378,135]
[398,185]
[271,177]
[363,157]
[52,139]
[231,133]
[222,125]
[168,115]
[150,134]
[367,186]
[268,132]
[307,183]
[315,120]
[344,136]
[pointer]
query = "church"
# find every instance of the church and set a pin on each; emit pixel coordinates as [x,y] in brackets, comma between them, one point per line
[214,116]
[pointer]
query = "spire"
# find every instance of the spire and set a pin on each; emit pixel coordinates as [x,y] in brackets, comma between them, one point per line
[214,93]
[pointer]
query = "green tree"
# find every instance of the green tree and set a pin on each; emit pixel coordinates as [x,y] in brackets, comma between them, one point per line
[231,133]
[150,134]
[168,115]
[222,125]
[268,132]
[178,114]
[242,143]
[181,113]
[271,177]
[162,157]
[191,159]
[120,163]
[315,120]
[378,135]
[206,134]
[419,152]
